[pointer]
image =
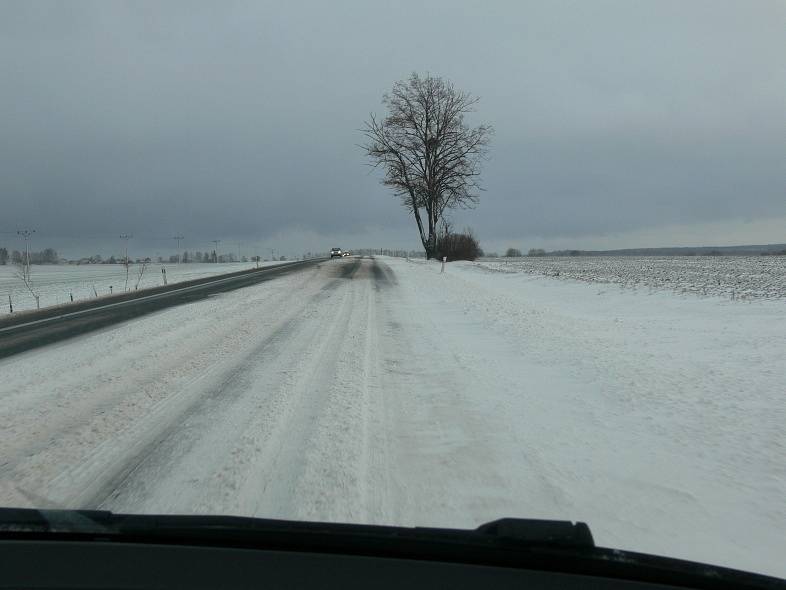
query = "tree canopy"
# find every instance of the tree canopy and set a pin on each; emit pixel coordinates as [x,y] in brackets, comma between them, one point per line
[430,156]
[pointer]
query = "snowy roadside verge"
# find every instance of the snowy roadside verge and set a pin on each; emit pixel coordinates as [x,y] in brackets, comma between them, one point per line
[656,418]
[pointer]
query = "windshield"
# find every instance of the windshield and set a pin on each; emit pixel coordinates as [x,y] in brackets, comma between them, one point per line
[562,293]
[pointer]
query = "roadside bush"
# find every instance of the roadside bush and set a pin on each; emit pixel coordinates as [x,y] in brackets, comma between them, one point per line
[461,246]
[513,253]
[536,252]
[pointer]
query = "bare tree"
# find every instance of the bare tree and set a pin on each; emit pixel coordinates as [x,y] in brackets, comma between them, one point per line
[23,273]
[141,272]
[430,156]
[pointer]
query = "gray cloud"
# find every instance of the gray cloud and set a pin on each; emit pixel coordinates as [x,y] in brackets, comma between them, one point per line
[239,120]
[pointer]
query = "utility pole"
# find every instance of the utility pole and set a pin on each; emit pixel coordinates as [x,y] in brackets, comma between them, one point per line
[26,234]
[216,242]
[272,254]
[126,237]
[178,238]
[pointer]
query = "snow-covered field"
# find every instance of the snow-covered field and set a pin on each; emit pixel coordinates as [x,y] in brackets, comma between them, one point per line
[733,277]
[387,392]
[55,283]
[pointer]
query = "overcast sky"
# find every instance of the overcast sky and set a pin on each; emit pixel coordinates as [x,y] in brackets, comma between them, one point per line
[618,124]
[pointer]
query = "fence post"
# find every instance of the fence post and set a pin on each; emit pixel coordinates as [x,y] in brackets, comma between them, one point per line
[10,305]
[72,297]
[94,291]
[163,272]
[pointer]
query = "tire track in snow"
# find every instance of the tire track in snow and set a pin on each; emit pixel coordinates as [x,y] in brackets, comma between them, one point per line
[313,467]
[207,475]
[253,456]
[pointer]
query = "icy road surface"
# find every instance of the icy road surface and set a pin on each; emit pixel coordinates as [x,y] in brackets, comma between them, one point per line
[383,391]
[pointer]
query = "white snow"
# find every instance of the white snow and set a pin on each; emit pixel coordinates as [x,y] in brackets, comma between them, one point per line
[396,394]
[732,277]
[55,283]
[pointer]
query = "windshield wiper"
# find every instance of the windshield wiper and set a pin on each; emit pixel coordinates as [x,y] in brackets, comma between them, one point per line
[507,531]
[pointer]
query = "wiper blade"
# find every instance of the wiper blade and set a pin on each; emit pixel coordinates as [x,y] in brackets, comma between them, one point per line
[506,531]
[561,533]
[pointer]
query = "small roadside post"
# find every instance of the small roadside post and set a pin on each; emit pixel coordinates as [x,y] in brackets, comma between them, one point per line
[444,260]
[10,305]
[163,272]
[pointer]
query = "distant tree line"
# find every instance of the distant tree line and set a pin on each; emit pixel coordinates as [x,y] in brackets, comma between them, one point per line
[46,256]
[398,253]
[188,257]
[185,258]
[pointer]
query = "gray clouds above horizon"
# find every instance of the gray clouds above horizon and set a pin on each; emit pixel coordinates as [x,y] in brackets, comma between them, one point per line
[241,119]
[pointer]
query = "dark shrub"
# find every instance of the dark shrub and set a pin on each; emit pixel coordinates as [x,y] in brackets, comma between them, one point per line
[461,246]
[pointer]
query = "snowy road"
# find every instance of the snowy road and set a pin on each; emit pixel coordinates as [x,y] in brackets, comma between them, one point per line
[381,391]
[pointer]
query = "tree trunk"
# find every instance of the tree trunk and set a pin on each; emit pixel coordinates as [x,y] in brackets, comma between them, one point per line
[420,229]
[431,245]
[431,249]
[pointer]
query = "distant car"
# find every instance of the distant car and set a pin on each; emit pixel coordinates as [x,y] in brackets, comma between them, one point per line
[346,253]
[336,253]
